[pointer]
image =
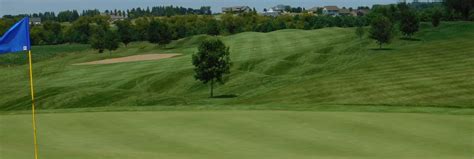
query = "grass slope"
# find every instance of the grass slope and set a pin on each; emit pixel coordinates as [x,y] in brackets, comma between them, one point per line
[327,69]
[288,67]
[239,134]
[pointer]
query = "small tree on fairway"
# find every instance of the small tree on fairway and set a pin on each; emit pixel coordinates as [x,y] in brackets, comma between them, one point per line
[436,17]
[360,31]
[159,33]
[381,30]
[212,62]
[125,31]
[410,23]
[112,40]
[97,40]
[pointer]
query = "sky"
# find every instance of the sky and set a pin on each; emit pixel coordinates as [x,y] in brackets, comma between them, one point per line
[33,6]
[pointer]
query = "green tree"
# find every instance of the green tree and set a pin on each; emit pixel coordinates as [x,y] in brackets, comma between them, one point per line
[471,17]
[125,31]
[180,29]
[112,40]
[409,23]
[80,30]
[381,30]
[97,39]
[436,17]
[37,35]
[232,23]
[52,32]
[141,27]
[213,27]
[212,62]
[5,23]
[159,32]
[463,7]
[360,32]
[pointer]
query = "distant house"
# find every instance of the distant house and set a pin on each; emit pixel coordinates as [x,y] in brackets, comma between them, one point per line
[237,9]
[331,10]
[362,12]
[35,21]
[354,13]
[271,13]
[114,18]
[280,8]
[345,12]
[314,10]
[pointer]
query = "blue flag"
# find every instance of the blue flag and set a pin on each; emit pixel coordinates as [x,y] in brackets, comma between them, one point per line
[17,38]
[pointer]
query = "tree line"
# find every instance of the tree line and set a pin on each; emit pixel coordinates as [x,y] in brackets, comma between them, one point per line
[387,21]
[72,15]
[162,29]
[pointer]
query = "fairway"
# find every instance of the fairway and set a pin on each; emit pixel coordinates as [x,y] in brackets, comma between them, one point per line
[239,134]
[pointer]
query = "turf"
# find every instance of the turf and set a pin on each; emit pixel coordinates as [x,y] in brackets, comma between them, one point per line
[328,78]
[239,134]
[328,66]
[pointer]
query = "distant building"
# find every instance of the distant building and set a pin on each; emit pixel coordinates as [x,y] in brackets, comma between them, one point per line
[114,18]
[362,12]
[35,21]
[331,10]
[314,10]
[271,13]
[344,12]
[237,9]
[280,8]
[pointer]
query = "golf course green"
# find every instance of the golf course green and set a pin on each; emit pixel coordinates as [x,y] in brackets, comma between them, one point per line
[321,93]
[239,134]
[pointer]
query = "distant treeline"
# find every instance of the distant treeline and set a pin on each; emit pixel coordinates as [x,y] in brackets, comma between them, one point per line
[81,30]
[181,22]
[72,15]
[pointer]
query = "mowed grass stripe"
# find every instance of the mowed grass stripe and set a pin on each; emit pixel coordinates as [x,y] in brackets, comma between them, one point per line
[309,67]
[239,134]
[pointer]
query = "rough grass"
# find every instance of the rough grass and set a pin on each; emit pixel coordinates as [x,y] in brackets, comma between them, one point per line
[328,66]
[239,134]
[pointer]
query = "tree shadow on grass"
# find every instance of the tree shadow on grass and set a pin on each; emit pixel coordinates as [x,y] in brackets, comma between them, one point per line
[382,49]
[169,48]
[410,39]
[225,96]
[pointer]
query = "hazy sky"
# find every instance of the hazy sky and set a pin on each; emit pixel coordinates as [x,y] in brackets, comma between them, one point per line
[32,6]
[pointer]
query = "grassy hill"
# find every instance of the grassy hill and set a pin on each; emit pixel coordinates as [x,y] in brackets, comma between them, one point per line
[285,69]
[351,84]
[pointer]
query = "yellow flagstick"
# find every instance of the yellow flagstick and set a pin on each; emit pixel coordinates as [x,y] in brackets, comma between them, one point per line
[33,104]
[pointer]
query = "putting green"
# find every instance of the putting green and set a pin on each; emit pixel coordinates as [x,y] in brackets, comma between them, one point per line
[238,134]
